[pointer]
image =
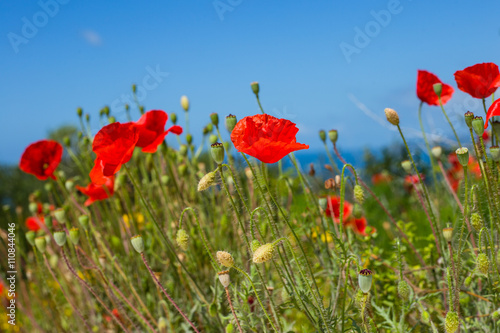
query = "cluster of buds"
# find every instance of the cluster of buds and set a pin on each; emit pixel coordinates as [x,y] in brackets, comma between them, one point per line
[333,183]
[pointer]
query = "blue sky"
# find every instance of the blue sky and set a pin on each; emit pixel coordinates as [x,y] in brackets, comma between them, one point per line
[88,53]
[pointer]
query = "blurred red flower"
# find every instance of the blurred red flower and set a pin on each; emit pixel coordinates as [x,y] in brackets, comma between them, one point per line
[266,138]
[333,207]
[412,179]
[381,178]
[493,111]
[425,89]
[151,128]
[41,159]
[480,80]
[455,172]
[34,223]
[114,145]
[97,192]
[358,225]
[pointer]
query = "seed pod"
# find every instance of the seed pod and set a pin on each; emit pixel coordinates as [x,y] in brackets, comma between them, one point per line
[255,88]
[448,234]
[74,235]
[365,280]
[84,221]
[30,237]
[231,122]
[60,215]
[224,278]
[468,118]
[217,150]
[463,156]
[60,238]
[214,118]
[322,135]
[333,135]
[41,244]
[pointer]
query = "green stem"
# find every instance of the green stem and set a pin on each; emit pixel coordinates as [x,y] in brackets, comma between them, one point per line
[449,122]
[433,165]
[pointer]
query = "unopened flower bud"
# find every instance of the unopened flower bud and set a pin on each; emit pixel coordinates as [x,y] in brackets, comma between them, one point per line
[189,138]
[217,150]
[224,278]
[438,88]
[463,156]
[255,88]
[359,194]
[30,237]
[182,169]
[111,119]
[185,103]
[84,221]
[207,181]
[173,118]
[437,151]
[495,153]
[365,277]
[263,253]
[214,118]
[33,207]
[404,290]
[182,239]
[392,116]
[231,122]
[476,221]
[60,238]
[213,139]
[74,235]
[333,135]
[406,166]
[79,112]
[451,322]
[322,135]
[41,244]
[478,125]
[60,215]
[225,258]
[183,150]
[138,243]
[483,263]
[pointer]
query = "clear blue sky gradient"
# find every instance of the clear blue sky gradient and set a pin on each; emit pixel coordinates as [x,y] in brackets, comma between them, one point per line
[90,52]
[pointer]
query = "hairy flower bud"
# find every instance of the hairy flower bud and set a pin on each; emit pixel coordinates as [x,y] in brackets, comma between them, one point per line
[173,118]
[404,290]
[359,194]
[206,181]
[185,103]
[483,263]
[451,322]
[476,221]
[255,245]
[392,116]
[182,239]
[225,258]
[263,253]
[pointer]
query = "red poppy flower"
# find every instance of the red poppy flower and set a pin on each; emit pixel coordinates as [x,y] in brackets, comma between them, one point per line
[151,128]
[425,89]
[493,111]
[41,159]
[412,179]
[114,145]
[381,178]
[358,225]
[97,192]
[266,138]
[333,207]
[480,80]
[34,223]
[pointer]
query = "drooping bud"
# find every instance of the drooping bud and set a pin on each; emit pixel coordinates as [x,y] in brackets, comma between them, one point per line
[41,244]
[478,125]
[185,103]
[254,245]
[495,153]
[483,263]
[359,194]
[333,135]
[173,118]
[74,235]
[406,166]
[217,150]
[476,221]
[138,243]
[231,122]
[263,253]
[365,277]
[225,258]
[214,118]
[224,278]
[438,88]
[60,238]
[404,290]
[451,322]
[255,88]
[206,181]
[463,156]
[392,116]
[30,237]
[437,151]
[182,239]
[322,135]
[468,118]
[448,234]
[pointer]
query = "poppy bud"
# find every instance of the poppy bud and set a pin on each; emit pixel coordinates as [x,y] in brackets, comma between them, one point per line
[448,234]
[437,151]
[263,253]
[210,127]
[231,122]
[70,185]
[495,153]
[182,169]
[365,280]
[438,88]
[357,211]
[255,88]
[183,150]
[60,215]
[322,136]
[463,156]
[60,238]
[138,243]
[213,139]
[254,245]
[67,141]
[333,135]
[404,290]
[189,138]
[468,116]
[451,322]
[164,179]
[312,171]
[111,119]
[85,141]
[359,194]
[185,103]
[224,278]
[225,258]
[425,317]
[41,244]
[483,263]
[478,125]
[322,203]
[84,221]
[217,150]
[74,235]
[205,131]
[134,88]
[392,116]
[214,118]
[30,237]
[33,207]
[207,181]
[182,239]
[406,166]
[476,221]
[173,118]
[79,112]
[141,109]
